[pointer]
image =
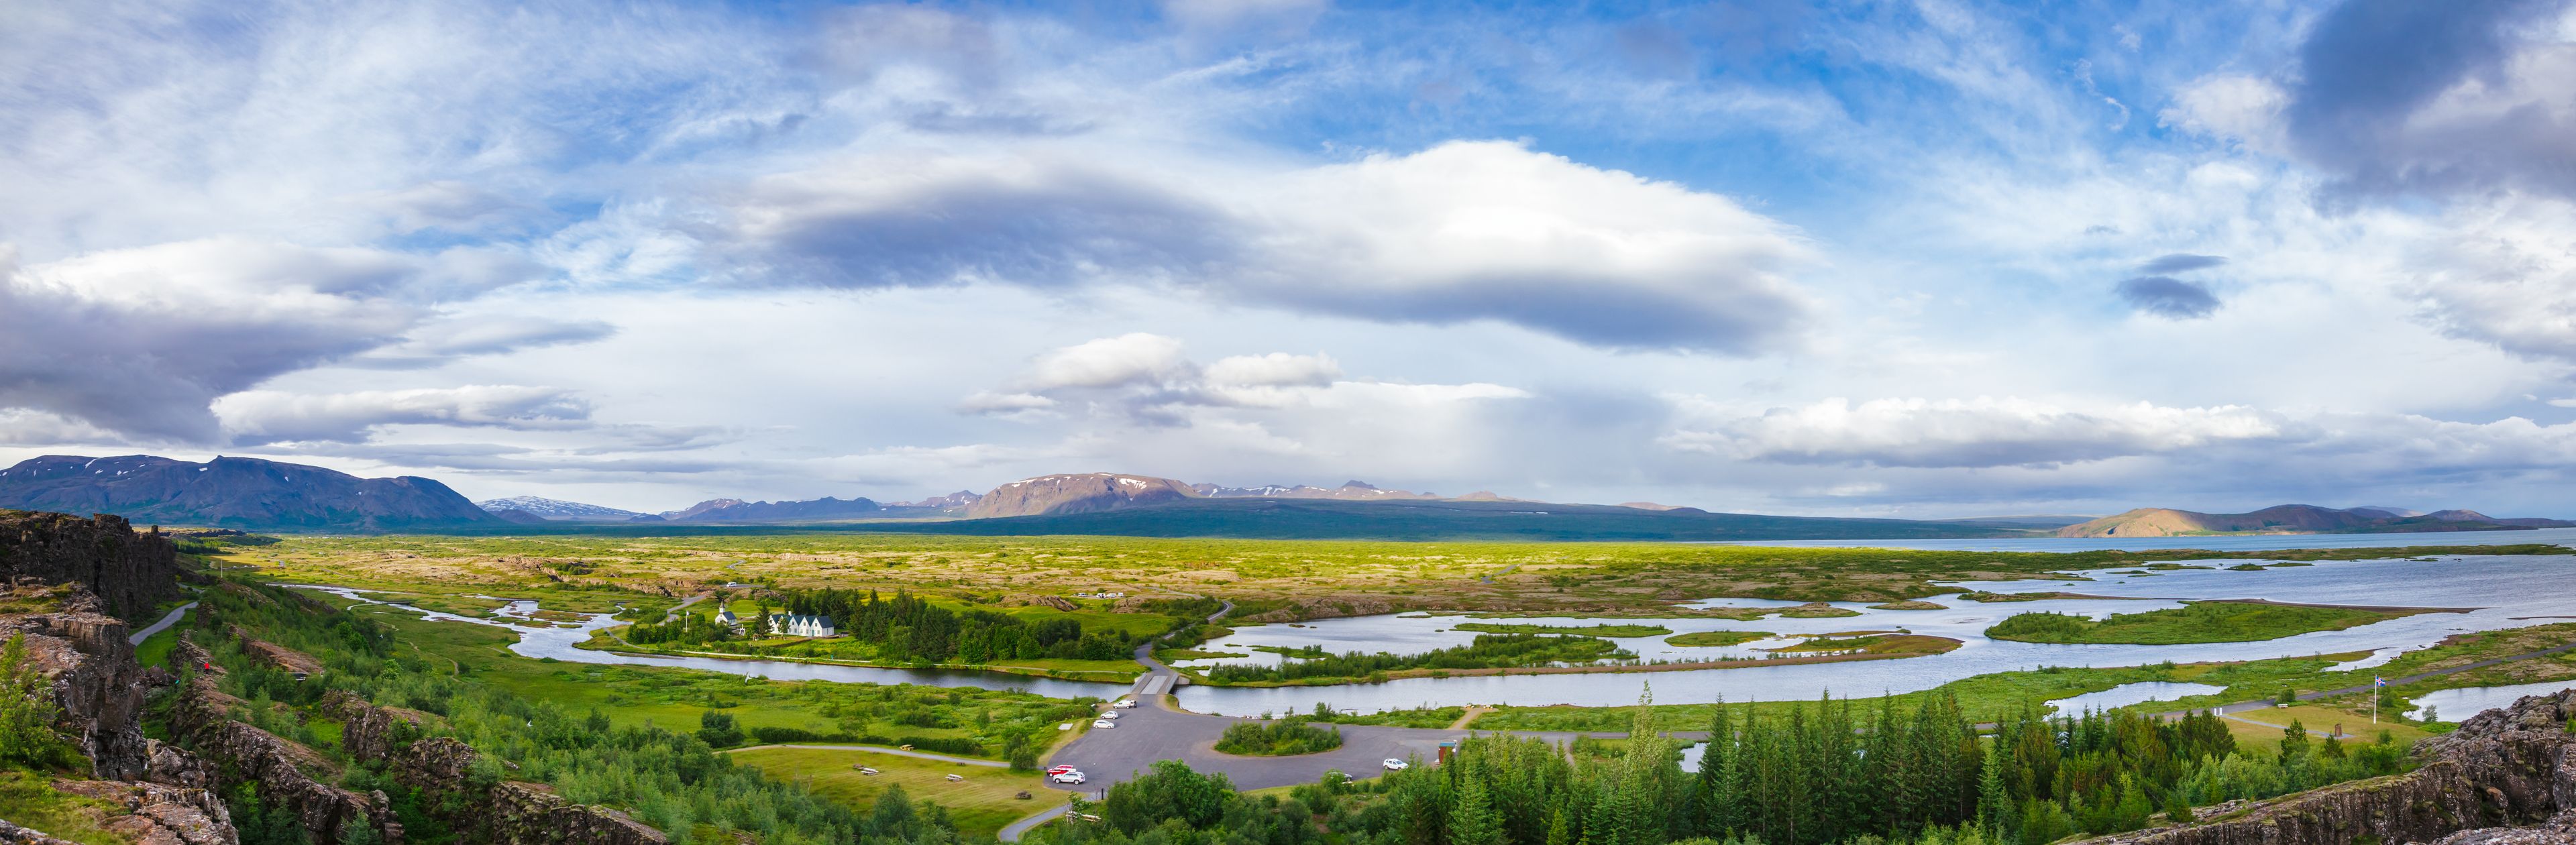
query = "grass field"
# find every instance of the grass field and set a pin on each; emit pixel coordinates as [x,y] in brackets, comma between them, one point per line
[981,804]
[1272,580]
[2195,622]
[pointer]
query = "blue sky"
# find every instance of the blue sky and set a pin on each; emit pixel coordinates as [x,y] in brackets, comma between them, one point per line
[1916,259]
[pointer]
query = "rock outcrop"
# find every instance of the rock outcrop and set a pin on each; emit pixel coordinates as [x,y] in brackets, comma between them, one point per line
[131,572]
[288,775]
[2501,771]
[505,812]
[99,689]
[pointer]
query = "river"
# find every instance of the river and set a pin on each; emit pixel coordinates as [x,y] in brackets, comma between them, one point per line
[2500,591]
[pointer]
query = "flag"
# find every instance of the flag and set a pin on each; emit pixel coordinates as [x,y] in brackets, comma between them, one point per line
[2376,681]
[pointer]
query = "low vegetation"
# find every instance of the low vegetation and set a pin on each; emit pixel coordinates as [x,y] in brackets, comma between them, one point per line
[1717,638]
[1313,664]
[2195,622]
[1277,738]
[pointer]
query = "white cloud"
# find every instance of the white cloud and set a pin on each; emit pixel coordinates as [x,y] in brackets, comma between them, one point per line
[1129,359]
[1277,369]
[1461,232]
[266,416]
[1983,432]
[2233,107]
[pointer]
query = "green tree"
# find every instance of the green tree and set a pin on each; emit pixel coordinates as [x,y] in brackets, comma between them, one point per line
[27,711]
[717,730]
[1471,816]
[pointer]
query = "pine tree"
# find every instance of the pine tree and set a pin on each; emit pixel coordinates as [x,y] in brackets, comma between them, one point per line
[1471,815]
[1994,805]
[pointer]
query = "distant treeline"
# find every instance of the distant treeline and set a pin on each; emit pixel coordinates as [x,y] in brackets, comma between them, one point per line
[1488,651]
[908,627]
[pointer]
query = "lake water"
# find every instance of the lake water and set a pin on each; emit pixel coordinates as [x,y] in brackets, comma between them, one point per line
[2455,705]
[2504,592]
[2498,591]
[2230,543]
[2128,694]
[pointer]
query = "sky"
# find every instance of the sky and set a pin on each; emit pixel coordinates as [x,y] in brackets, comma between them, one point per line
[1916,259]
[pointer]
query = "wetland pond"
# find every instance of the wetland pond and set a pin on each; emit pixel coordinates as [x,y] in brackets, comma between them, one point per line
[2503,592]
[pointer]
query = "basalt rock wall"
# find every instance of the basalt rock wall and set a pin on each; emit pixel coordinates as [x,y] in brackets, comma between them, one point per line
[505,813]
[99,692]
[287,775]
[2503,769]
[132,572]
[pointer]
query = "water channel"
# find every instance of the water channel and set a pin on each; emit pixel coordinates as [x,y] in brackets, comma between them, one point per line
[2496,592]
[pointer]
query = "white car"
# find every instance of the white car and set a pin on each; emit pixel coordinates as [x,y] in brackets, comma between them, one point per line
[1395,765]
[1113,714]
[1125,704]
[1067,777]
[1103,723]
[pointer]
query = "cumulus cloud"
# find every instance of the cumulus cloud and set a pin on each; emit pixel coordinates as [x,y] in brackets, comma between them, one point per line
[1461,232]
[2168,297]
[1983,432]
[139,341]
[2440,98]
[2505,276]
[268,416]
[1129,359]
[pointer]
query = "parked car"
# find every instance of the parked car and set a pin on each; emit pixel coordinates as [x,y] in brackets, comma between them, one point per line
[1062,769]
[1125,704]
[1067,777]
[1103,723]
[1395,765]
[1111,714]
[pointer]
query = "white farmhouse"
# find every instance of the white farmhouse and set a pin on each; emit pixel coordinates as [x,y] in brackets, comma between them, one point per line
[802,625]
[725,617]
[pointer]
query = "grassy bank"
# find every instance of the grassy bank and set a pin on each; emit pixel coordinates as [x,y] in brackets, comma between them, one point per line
[980,805]
[2195,622]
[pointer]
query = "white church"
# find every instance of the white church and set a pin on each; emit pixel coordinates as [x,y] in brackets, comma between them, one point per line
[802,625]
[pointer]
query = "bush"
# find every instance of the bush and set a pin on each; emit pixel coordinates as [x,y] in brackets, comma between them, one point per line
[1275,739]
[717,730]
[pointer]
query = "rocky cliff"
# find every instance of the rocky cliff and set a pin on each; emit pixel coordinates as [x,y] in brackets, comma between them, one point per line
[131,572]
[92,677]
[508,812]
[2506,768]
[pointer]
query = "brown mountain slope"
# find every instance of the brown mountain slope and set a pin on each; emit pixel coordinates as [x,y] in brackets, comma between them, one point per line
[1077,493]
[2291,519]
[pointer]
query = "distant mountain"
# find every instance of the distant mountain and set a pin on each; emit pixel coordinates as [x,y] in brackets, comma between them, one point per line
[957,501]
[2392,512]
[1350,490]
[2294,519]
[557,509]
[1077,493]
[519,516]
[245,493]
[809,510]
[1418,519]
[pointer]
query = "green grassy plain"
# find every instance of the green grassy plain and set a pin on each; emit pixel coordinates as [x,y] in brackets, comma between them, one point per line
[981,804]
[2195,622]
[1270,580]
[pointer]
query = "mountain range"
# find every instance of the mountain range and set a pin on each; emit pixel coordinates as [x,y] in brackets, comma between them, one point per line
[246,493]
[2298,519]
[256,494]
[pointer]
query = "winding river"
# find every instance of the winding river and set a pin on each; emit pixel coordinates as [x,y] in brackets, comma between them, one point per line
[2498,591]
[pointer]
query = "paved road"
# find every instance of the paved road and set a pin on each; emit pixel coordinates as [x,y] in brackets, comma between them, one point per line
[164,624]
[1012,832]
